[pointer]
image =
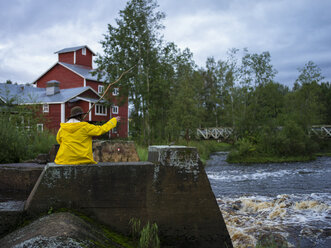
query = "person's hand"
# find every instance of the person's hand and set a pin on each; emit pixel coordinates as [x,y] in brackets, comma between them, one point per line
[118,118]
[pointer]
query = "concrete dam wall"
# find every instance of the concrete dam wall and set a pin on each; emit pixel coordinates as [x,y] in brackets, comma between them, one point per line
[172,190]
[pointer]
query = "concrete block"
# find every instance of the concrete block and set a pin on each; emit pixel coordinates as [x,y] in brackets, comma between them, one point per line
[20,177]
[173,191]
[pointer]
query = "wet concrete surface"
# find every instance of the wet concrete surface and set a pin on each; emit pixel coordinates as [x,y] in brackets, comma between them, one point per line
[23,165]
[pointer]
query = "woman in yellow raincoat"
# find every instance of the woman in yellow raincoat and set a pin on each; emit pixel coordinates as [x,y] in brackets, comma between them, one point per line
[75,138]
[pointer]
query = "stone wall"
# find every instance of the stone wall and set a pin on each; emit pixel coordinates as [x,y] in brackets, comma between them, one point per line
[108,151]
[115,151]
[173,191]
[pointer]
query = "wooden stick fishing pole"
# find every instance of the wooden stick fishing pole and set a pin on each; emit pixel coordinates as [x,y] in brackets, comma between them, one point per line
[104,93]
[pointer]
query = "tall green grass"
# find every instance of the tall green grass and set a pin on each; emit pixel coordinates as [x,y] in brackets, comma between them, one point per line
[142,152]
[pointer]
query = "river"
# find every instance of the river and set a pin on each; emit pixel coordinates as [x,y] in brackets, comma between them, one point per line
[291,200]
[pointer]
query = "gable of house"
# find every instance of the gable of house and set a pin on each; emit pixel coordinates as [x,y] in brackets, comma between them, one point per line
[80,55]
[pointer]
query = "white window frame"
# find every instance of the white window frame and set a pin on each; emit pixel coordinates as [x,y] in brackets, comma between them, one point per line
[100,88]
[84,51]
[100,109]
[116,91]
[115,109]
[45,108]
[40,127]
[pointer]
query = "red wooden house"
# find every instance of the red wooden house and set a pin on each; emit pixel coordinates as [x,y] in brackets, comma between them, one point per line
[72,71]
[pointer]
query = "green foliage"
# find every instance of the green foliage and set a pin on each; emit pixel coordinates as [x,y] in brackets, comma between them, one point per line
[142,152]
[245,147]
[50,210]
[292,140]
[20,139]
[149,236]
[135,228]
[309,73]
[13,142]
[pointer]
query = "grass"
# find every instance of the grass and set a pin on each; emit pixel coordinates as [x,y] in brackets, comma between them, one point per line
[142,152]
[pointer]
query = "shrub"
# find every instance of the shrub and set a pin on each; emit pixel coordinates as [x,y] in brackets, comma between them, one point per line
[292,140]
[245,147]
[19,143]
[13,143]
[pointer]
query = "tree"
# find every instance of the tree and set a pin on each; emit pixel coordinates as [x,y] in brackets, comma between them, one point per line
[211,93]
[326,99]
[185,110]
[305,106]
[256,71]
[308,74]
[305,103]
[135,41]
[257,68]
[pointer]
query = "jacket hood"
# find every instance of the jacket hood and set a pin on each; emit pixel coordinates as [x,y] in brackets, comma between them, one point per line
[72,127]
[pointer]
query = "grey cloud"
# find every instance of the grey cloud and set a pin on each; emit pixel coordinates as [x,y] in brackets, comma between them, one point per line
[24,16]
[294,32]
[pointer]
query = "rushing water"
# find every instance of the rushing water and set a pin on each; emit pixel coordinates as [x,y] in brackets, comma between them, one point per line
[288,199]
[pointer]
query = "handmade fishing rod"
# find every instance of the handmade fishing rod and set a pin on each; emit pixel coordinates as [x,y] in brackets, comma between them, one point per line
[104,93]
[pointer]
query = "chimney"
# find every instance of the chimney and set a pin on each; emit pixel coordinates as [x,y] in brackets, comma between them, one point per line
[52,87]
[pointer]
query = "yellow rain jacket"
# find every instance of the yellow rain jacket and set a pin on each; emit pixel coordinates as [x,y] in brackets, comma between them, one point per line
[75,141]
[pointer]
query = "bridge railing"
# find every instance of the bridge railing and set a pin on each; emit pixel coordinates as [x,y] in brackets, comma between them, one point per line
[215,132]
[322,130]
[224,133]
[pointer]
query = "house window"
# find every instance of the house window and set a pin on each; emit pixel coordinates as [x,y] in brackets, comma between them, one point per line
[40,127]
[114,130]
[45,108]
[115,109]
[84,51]
[115,92]
[100,88]
[100,109]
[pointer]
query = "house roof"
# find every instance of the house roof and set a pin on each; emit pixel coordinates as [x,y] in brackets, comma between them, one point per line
[23,94]
[80,70]
[73,49]
[87,99]
[83,71]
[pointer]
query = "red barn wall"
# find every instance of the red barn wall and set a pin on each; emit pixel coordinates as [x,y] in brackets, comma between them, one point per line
[53,118]
[93,84]
[67,78]
[85,60]
[66,57]
[90,94]
[100,117]
[122,127]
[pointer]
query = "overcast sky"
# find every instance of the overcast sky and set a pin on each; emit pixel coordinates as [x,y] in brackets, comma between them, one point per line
[293,31]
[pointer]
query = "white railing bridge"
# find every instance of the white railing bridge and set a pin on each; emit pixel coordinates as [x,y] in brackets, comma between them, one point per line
[224,133]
